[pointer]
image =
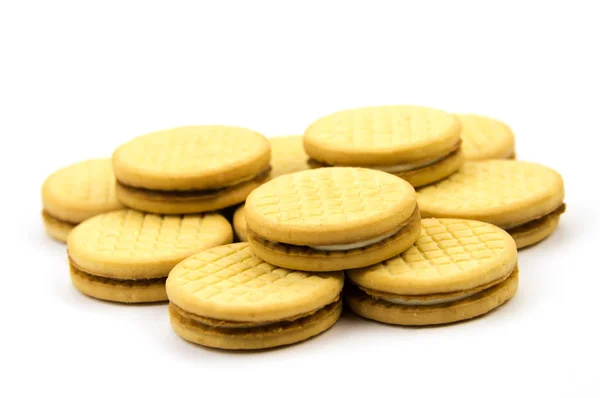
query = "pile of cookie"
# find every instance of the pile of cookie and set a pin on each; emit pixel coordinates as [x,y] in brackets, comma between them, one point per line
[410,215]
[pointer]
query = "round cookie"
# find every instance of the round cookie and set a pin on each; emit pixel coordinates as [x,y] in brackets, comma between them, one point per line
[287,155]
[228,298]
[456,270]
[191,169]
[418,144]
[486,138]
[239,224]
[126,255]
[331,218]
[75,193]
[523,198]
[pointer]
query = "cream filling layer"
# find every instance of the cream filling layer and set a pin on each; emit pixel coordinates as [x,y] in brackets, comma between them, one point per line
[416,301]
[356,245]
[408,166]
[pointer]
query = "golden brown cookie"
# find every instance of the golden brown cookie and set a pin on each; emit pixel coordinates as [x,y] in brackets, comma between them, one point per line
[239,224]
[331,218]
[486,138]
[517,196]
[126,255]
[456,270]
[287,155]
[228,298]
[75,193]
[419,144]
[191,169]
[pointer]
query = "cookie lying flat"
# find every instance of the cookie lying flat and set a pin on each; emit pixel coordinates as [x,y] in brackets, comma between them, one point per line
[457,269]
[228,298]
[191,169]
[126,255]
[486,138]
[239,224]
[419,144]
[75,193]
[526,199]
[331,218]
[287,155]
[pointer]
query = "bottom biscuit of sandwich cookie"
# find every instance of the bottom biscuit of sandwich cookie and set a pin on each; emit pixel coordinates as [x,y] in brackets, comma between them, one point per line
[55,227]
[535,231]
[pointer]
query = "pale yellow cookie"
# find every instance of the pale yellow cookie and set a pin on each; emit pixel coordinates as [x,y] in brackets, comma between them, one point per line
[228,298]
[456,270]
[126,255]
[239,224]
[287,155]
[419,144]
[76,193]
[191,169]
[506,193]
[486,138]
[331,218]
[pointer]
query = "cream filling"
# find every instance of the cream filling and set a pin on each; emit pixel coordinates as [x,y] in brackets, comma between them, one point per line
[356,245]
[416,301]
[407,166]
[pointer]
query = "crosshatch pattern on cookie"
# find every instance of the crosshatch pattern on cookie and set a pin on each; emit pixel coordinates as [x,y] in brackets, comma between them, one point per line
[490,184]
[329,196]
[131,234]
[483,135]
[230,274]
[448,247]
[197,147]
[382,126]
[91,181]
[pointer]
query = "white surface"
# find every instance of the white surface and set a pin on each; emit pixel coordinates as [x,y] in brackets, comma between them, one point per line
[77,80]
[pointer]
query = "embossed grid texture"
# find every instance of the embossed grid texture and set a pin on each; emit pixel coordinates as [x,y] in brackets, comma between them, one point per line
[382,127]
[330,196]
[490,184]
[485,138]
[448,251]
[89,182]
[232,276]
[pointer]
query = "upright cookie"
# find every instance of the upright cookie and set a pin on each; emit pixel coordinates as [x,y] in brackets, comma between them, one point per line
[486,138]
[239,224]
[331,218]
[228,298]
[191,169]
[419,144]
[75,193]
[526,199]
[457,269]
[287,155]
[126,255]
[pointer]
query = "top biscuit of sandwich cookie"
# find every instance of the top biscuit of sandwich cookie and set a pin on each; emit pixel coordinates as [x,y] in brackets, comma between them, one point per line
[486,138]
[331,218]
[421,145]
[191,169]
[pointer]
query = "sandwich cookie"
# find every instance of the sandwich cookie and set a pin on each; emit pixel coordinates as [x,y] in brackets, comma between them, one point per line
[421,145]
[525,199]
[191,169]
[287,155]
[126,255]
[228,298]
[486,138]
[75,193]
[331,218]
[457,269]
[239,224]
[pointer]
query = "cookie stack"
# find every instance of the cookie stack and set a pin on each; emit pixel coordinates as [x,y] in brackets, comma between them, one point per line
[420,210]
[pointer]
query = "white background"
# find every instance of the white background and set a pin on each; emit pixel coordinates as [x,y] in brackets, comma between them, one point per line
[79,79]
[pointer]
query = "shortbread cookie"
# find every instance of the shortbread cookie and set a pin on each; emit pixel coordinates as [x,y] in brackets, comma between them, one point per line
[419,144]
[486,138]
[75,193]
[456,270]
[126,255]
[191,169]
[287,155]
[526,199]
[228,298]
[331,218]
[239,224]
